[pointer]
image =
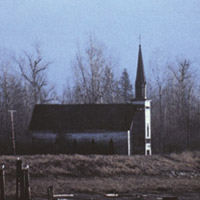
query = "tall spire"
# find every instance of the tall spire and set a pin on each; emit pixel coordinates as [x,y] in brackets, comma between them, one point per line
[140,83]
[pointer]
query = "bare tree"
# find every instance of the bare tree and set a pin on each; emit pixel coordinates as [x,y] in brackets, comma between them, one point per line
[33,68]
[93,74]
[182,80]
[12,96]
[158,83]
[67,95]
[174,105]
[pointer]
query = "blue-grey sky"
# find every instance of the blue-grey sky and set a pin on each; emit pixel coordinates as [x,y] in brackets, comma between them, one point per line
[168,27]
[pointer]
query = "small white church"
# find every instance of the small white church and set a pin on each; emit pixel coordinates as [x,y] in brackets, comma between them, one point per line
[95,128]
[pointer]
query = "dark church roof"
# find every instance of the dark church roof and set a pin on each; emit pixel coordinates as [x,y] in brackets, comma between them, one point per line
[82,117]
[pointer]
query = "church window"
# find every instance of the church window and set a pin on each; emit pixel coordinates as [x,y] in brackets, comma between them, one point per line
[111,147]
[74,146]
[147,130]
[93,146]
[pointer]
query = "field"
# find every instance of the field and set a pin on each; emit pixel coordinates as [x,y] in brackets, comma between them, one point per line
[170,174]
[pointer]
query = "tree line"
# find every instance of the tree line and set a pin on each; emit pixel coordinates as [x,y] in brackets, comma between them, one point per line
[172,88]
[23,83]
[175,94]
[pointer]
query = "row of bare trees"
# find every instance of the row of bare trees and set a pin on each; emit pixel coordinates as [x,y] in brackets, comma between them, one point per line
[94,79]
[172,88]
[23,83]
[175,111]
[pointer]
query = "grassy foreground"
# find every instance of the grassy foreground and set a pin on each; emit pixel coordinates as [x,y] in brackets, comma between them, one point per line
[173,173]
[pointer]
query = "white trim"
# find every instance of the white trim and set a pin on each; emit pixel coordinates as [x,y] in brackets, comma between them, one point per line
[145,102]
[148,148]
[148,126]
[129,143]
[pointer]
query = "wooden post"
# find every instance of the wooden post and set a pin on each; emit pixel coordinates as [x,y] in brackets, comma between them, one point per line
[13,130]
[2,182]
[22,177]
[50,192]
[27,191]
[18,175]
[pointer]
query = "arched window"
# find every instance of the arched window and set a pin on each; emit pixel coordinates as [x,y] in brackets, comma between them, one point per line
[93,146]
[148,130]
[111,147]
[74,146]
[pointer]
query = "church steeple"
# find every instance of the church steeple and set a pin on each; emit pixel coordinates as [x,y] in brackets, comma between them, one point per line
[140,83]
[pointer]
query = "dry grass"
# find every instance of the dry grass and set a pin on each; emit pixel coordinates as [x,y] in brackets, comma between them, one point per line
[99,174]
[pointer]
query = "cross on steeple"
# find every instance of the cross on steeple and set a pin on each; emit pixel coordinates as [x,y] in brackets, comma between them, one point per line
[139,39]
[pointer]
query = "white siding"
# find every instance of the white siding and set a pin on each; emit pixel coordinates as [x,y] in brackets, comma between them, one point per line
[101,139]
[147,120]
[148,149]
[148,127]
[44,136]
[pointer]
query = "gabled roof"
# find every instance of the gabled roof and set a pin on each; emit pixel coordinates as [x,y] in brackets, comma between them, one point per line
[82,117]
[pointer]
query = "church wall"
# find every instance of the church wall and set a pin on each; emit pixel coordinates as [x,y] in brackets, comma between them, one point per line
[49,137]
[137,135]
[83,142]
[43,142]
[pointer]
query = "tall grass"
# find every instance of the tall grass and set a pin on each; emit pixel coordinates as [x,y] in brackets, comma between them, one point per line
[104,166]
[96,173]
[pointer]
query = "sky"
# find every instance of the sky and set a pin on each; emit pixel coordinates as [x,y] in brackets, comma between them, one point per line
[168,28]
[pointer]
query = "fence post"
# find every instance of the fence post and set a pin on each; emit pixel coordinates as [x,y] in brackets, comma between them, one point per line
[50,192]
[2,182]
[22,197]
[18,177]
[27,191]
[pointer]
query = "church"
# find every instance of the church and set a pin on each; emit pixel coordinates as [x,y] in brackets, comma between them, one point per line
[123,129]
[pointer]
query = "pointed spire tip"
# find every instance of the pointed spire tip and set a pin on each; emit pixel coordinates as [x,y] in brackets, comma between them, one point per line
[139,39]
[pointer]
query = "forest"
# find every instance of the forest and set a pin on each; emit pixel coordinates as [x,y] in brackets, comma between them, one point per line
[173,88]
